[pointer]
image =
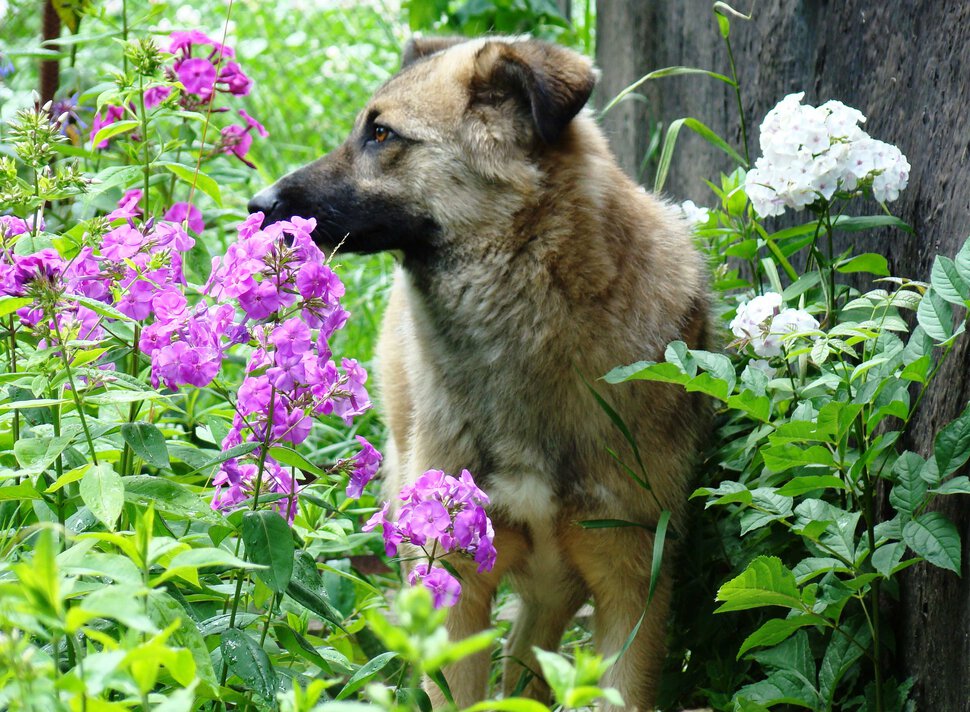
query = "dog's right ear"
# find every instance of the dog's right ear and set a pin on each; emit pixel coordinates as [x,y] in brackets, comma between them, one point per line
[420,47]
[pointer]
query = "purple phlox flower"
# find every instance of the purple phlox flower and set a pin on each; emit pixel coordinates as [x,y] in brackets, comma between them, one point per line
[197,75]
[83,276]
[46,264]
[392,535]
[253,395]
[127,206]
[123,242]
[445,588]
[186,213]
[172,233]
[235,479]
[353,400]
[136,302]
[365,465]
[156,95]
[236,81]
[155,336]
[263,300]
[166,362]
[287,372]
[291,338]
[109,115]
[12,226]
[169,305]
[318,281]
[250,226]
[182,41]
[333,322]
[295,428]
[252,123]
[281,482]
[427,520]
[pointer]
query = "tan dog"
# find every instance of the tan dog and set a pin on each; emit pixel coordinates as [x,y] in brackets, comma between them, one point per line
[529,262]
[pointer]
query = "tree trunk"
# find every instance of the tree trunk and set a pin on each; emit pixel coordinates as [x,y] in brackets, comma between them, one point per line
[903,64]
[49,68]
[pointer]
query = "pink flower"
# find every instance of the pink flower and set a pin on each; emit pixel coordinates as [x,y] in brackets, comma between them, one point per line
[366,462]
[186,213]
[235,80]
[445,589]
[108,116]
[197,75]
[156,95]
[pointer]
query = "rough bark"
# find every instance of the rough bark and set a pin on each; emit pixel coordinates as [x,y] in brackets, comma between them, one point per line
[49,68]
[905,65]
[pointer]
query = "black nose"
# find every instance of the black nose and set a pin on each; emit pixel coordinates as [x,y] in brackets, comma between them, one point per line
[265,202]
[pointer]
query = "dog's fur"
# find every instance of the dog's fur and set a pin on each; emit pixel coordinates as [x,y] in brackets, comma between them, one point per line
[529,263]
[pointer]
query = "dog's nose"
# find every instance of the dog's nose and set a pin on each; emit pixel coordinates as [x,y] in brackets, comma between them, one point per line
[265,202]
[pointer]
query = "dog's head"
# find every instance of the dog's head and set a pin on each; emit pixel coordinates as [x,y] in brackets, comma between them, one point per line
[452,142]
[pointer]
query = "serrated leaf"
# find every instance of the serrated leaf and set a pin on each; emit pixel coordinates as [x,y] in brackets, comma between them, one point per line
[952,445]
[936,539]
[909,490]
[774,631]
[957,485]
[935,315]
[103,491]
[269,543]
[947,281]
[147,441]
[765,582]
[843,650]
[249,662]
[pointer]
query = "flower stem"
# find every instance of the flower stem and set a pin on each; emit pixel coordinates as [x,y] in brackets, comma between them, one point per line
[737,94]
[74,394]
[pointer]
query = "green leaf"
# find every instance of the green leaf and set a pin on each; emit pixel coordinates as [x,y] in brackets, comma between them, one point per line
[196,178]
[37,454]
[886,558]
[307,588]
[249,662]
[643,480]
[936,539]
[670,141]
[935,315]
[774,631]
[111,130]
[962,262]
[779,458]
[269,543]
[8,305]
[365,673]
[843,650]
[24,490]
[909,491]
[103,491]
[957,485]
[948,282]
[659,74]
[952,446]
[147,441]
[289,456]
[765,582]
[163,610]
[867,262]
[800,485]
[101,308]
[511,704]
[169,498]
[846,223]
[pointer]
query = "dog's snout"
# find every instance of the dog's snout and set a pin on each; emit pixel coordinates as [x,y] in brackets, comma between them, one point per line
[265,202]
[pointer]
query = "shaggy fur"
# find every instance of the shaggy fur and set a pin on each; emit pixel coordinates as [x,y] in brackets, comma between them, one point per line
[529,262]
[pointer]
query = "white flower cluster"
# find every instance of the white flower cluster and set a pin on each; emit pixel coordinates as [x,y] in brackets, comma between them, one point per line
[694,214]
[810,151]
[763,322]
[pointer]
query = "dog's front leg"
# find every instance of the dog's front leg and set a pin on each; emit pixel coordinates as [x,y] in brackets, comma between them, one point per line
[468,678]
[615,563]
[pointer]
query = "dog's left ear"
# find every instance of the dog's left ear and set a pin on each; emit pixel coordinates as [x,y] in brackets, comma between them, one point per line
[555,82]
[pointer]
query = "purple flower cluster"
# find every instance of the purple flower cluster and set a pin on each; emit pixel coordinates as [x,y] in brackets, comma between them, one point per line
[133,266]
[441,515]
[289,301]
[204,68]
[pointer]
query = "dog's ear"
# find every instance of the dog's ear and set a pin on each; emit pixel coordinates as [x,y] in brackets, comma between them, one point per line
[554,82]
[420,47]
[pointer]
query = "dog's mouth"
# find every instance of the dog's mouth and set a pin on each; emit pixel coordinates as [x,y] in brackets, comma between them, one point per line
[355,223]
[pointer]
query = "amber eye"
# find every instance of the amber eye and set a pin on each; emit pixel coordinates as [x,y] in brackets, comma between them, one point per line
[381,133]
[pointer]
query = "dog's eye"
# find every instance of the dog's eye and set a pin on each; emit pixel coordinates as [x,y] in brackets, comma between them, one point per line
[381,133]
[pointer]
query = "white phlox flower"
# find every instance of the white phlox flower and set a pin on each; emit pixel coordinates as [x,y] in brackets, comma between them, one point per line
[694,214]
[810,152]
[763,323]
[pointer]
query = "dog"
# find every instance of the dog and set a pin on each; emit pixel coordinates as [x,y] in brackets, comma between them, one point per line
[530,265]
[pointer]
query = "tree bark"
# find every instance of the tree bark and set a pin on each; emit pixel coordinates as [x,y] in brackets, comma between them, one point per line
[903,64]
[49,68]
